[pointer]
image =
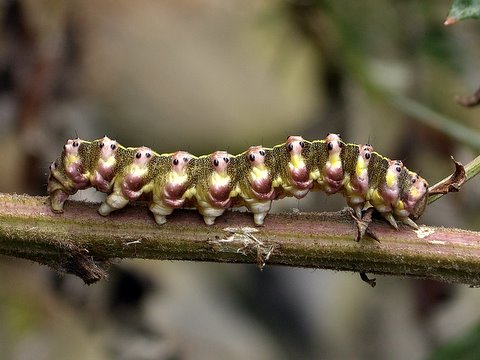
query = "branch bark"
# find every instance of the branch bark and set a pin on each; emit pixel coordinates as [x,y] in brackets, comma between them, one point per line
[82,242]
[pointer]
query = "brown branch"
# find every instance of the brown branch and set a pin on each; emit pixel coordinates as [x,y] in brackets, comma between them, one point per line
[82,242]
[469,101]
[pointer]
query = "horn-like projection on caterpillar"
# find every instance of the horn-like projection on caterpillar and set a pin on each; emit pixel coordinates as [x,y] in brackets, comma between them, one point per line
[215,182]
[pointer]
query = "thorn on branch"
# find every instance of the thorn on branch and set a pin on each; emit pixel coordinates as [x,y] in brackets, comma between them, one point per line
[83,266]
[363,225]
[372,282]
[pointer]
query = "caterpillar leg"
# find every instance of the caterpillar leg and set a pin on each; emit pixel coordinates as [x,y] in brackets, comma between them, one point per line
[391,220]
[113,202]
[260,211]
[210,214]
[409,222]
[160,211]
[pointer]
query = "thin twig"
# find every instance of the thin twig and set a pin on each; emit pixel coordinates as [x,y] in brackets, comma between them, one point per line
[82,242]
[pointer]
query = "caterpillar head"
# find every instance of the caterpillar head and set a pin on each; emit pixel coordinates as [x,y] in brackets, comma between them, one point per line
[143,155]
[256,155]
[395,167]
[108,148]
[295,145]
[180,161]
[334,143]
[394,170]
[220,161]
[71,146]
[418,195]
[366,152]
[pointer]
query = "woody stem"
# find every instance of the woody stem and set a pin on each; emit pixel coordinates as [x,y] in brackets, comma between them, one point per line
[82,242]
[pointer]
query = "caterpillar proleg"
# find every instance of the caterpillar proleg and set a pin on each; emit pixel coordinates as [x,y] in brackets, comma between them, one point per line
[215,182]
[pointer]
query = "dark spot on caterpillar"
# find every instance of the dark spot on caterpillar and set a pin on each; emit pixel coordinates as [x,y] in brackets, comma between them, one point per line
[226,160]
[290,147]
[330,146]
[251,157]
[148,155]
[340,144]
[398,168]
[113,146]
[414,180]
[368,145]
[425,185]
[185,159]
[175,161]
[138,155]
[102,145]
[261,152]
[215,162]
[75,144]
[367,155]
[302,144]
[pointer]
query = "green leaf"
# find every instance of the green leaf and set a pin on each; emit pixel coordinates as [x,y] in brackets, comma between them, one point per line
[463,9]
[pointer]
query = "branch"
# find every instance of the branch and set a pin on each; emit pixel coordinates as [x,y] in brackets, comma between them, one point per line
[82,242]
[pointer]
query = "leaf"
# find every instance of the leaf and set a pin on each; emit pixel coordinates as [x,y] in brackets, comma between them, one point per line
[451,184]
[463,9]
[469,101]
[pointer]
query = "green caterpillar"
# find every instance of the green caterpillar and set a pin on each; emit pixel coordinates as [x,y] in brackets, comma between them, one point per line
[213,183]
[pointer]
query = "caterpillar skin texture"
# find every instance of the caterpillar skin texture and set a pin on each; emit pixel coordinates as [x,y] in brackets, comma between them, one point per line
[215,182]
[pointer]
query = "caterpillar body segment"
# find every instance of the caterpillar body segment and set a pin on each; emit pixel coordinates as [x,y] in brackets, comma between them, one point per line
[214,185]
[171,181]
[295,177]
[356,186]
[104,164]
[215,182]
[133,181]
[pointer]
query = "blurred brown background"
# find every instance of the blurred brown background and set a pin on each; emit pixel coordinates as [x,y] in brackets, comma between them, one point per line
[200,76]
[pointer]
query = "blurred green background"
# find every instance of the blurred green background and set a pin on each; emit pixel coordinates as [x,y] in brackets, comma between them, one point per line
[201,76]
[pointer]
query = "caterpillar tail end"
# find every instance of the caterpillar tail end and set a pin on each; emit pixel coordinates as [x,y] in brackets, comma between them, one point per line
[57,199]
[58,194]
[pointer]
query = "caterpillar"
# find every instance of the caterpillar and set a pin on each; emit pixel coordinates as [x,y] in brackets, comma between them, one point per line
[215,182]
